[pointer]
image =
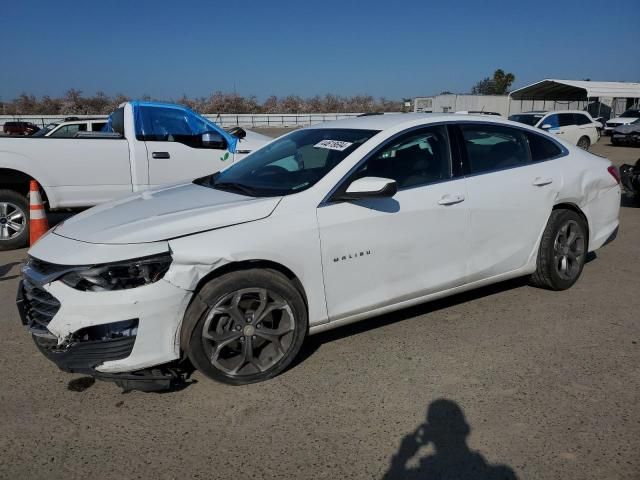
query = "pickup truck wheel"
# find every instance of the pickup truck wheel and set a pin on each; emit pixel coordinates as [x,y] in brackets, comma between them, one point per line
[562,252]
[14,220]
[584,143]
[252,329]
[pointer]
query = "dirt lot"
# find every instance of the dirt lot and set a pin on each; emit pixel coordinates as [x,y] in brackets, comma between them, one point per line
[545,384]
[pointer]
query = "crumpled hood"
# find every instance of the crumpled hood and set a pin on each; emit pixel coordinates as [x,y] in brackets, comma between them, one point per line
[626,129]
[165,213]
[621,120]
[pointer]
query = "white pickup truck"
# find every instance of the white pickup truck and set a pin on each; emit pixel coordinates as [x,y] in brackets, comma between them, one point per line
[148,144]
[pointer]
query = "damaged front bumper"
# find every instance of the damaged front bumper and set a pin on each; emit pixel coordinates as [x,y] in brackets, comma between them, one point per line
[128,336]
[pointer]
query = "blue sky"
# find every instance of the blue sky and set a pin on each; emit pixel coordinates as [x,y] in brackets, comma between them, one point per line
[393,48]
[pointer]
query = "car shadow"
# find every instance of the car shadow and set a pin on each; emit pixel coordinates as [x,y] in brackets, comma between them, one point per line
[445,431]
[314,342]
[629,201]
[6,268]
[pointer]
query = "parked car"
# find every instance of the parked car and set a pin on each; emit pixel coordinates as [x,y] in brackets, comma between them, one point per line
[630,178]
[627,134]
[69,127]
[149,144]
[478,112]
[573,126]
[20,128]
[324,226]
[626,118]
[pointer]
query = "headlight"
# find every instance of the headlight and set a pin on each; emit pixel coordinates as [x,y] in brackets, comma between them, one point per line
[120,275]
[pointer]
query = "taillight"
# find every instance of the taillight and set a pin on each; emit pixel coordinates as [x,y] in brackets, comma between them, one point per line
[614,173]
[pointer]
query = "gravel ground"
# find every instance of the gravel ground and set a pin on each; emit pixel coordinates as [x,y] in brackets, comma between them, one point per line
[507,381]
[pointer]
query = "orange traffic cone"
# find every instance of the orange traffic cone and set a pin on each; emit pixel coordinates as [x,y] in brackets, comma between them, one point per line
[38,224]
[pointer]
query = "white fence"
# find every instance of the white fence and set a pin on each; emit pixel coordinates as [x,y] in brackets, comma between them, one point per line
[223,119]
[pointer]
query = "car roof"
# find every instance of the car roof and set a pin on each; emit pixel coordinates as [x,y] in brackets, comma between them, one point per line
[546,112]
[391,120]
[383,122]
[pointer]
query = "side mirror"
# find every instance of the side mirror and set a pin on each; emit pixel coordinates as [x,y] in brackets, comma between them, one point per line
[238,132]
[546,126]
[213,140]
[369,187]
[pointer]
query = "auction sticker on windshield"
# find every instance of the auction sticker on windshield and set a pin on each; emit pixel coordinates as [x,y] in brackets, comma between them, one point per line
[333,145]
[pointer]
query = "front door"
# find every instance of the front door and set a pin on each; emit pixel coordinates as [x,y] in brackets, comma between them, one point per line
[174,149]
[377,252]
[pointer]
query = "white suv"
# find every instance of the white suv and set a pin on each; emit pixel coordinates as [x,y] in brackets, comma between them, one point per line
[71,126]
[574,126]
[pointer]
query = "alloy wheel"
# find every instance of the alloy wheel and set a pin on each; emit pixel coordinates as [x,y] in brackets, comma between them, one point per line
[583,143]
[12,220]
[569,250]
[248,331]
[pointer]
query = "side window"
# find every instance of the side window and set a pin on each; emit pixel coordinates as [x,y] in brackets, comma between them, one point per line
[566,119]
[551,120]
[542,148]
[163,124]
[494,147]
[171,125]
[581,119]
[98,126]
[68,131]
[417,158]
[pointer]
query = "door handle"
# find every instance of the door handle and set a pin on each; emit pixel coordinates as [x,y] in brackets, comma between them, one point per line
[451,199]
[161,155]
[541,182]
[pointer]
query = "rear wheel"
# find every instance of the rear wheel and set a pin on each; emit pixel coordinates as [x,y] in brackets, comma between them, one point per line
[14,220]
[252,329]
[584,143]
[563,250]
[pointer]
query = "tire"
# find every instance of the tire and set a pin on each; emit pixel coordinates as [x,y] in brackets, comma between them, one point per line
[14,210]
[216,335]
[560,259]
[584,143]
[614,142]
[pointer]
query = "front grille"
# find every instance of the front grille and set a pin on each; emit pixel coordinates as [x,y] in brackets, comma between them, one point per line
[39,305]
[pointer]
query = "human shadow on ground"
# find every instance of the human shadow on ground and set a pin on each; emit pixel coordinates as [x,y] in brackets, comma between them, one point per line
[445,431]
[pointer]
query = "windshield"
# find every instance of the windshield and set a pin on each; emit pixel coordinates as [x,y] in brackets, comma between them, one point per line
[527,119]
[43,131]
[290,164]
[631,113]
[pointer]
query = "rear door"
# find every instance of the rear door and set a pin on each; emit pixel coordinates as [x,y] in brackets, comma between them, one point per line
[586,127]
[174,149]
[510,195]
[569,131]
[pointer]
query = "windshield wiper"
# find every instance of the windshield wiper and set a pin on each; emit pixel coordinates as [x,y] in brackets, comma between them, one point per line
[235,187]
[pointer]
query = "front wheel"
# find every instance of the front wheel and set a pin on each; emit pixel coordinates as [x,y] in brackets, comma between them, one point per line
[563,250]
[584,143]
[251,330]
[14,220]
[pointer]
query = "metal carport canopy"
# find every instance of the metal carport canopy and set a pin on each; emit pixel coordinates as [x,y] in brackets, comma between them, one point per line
[573,90]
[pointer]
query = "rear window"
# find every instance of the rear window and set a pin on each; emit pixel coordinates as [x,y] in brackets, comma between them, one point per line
[542,148]
[566,119]
[527,119]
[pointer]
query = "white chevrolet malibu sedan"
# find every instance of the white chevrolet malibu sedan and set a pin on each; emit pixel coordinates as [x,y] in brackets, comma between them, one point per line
[325,226]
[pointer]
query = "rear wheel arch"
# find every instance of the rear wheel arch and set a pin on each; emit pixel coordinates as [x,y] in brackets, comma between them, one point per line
[574,208]
[18,181]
